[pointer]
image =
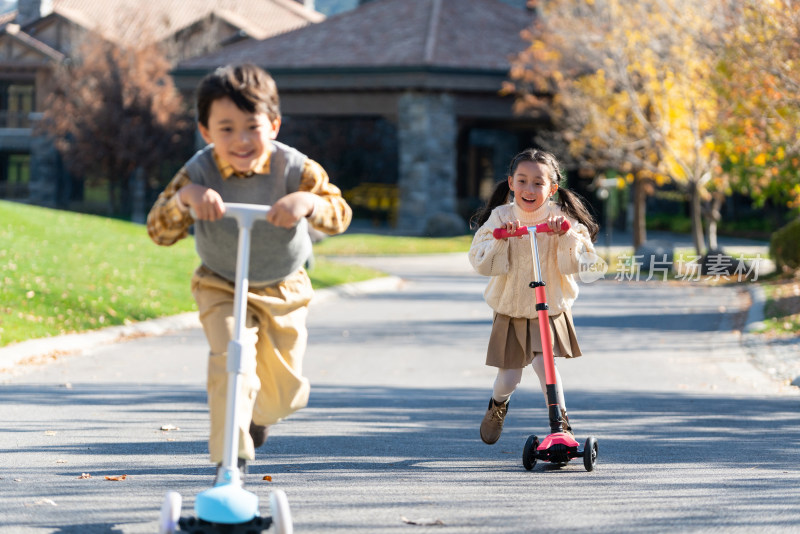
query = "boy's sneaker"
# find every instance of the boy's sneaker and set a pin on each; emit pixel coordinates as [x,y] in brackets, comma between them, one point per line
[241,463]
[259,434]
[492,424]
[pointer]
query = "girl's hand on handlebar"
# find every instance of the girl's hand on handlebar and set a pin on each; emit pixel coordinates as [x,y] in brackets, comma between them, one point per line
[511,227]
[555,223]
[287,211]
[205,203]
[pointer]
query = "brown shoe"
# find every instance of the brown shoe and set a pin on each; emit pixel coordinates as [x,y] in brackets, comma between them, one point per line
[492,424]
[565,426]
[258,433]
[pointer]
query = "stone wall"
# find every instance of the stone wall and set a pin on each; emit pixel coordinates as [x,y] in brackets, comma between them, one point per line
[427,137]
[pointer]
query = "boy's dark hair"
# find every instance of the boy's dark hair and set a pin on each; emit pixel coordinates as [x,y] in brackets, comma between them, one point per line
[250,87]
[572,203]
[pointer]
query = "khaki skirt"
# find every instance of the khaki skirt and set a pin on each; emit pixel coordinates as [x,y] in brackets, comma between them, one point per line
[514,340]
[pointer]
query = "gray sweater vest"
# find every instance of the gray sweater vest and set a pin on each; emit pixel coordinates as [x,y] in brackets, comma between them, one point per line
[275,252]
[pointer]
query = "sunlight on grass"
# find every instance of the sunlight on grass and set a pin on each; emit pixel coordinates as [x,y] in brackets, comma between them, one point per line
[381,245]
[63,272]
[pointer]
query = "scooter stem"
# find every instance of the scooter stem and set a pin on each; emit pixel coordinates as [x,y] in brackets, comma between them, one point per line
[554,411]
[245,216]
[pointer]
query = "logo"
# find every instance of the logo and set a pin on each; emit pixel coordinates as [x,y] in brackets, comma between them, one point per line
[591,267]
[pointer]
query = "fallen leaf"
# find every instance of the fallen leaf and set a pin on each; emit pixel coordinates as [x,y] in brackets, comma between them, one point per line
[267,478]
[50,433]
[121,477]
[86,475]
[167,428]
[61,461]
[424,522]
[17,480]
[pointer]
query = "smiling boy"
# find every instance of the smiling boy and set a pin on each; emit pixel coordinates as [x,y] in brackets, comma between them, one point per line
[239,117]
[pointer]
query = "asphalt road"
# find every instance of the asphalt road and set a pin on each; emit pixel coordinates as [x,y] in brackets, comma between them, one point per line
[692,437]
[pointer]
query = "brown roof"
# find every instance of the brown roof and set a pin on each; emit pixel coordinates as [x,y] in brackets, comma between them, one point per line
[461,34]
[112,18]
[15,33]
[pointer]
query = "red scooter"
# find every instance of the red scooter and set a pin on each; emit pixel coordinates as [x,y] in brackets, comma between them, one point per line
[558,447]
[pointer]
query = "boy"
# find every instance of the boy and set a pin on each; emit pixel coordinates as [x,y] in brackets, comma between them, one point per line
[239,117]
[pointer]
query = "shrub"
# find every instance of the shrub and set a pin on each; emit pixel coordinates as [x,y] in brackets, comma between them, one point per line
[785,247]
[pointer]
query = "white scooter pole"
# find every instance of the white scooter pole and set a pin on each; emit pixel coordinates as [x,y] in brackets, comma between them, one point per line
[238,354]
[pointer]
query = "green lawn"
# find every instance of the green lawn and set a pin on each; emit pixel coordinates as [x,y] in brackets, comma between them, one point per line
[63,272]
[381,245]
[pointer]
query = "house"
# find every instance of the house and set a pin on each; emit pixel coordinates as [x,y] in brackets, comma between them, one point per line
[399,97]
[41,34]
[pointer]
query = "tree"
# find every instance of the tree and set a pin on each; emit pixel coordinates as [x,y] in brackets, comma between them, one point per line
[758,78]
[627,84]
[115,115]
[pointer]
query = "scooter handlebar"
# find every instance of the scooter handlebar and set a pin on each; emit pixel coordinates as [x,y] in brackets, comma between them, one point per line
[502,233]
[241,212]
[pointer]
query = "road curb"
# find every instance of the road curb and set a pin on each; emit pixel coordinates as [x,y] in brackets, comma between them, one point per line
[40,349]
[760,350]
[755,315]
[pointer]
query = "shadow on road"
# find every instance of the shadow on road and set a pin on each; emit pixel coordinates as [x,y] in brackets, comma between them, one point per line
[652,446]
[406,426]
[422,424]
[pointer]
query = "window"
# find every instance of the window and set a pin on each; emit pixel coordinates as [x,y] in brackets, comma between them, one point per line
[15,173]
[16,104]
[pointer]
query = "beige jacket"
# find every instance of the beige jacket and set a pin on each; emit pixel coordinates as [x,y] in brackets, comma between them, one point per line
[510,265]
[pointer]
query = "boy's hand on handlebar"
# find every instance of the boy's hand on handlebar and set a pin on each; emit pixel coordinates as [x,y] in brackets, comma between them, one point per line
[205,203]
[287,211]
[555,223]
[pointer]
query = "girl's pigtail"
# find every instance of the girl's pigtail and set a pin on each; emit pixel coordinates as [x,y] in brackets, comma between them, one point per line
[575,207]
[499,196]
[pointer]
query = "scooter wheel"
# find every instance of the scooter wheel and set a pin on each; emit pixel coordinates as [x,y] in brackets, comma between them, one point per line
[529,452]
[281,515]
[590,453]
[170,513]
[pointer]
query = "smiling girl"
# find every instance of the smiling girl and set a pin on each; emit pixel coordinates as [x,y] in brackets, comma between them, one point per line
[515,343]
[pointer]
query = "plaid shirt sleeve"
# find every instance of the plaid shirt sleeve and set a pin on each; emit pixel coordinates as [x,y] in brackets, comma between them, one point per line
[331,213]
[168,221]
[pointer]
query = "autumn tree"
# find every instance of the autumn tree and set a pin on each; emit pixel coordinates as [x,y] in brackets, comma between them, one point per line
[758,78]
[627,85]
[115,116]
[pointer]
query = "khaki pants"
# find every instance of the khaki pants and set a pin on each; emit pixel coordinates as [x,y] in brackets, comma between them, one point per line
[273,385]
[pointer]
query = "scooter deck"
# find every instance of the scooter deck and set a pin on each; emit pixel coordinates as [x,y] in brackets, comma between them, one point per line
[198,526]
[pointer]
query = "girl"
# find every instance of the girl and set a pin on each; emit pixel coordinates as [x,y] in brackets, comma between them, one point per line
[533,180]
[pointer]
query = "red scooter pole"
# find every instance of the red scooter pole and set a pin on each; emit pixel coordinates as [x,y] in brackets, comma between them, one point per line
[558,447]
[554,411]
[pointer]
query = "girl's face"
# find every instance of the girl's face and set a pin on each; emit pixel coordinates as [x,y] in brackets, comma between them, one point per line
[532,185]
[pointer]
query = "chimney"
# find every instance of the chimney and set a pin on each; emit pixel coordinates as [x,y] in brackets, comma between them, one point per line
[31,10]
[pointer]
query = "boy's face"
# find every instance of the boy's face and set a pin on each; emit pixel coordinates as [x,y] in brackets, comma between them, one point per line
[240,138]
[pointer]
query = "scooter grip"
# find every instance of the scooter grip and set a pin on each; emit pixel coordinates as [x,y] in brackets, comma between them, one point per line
[501,233]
